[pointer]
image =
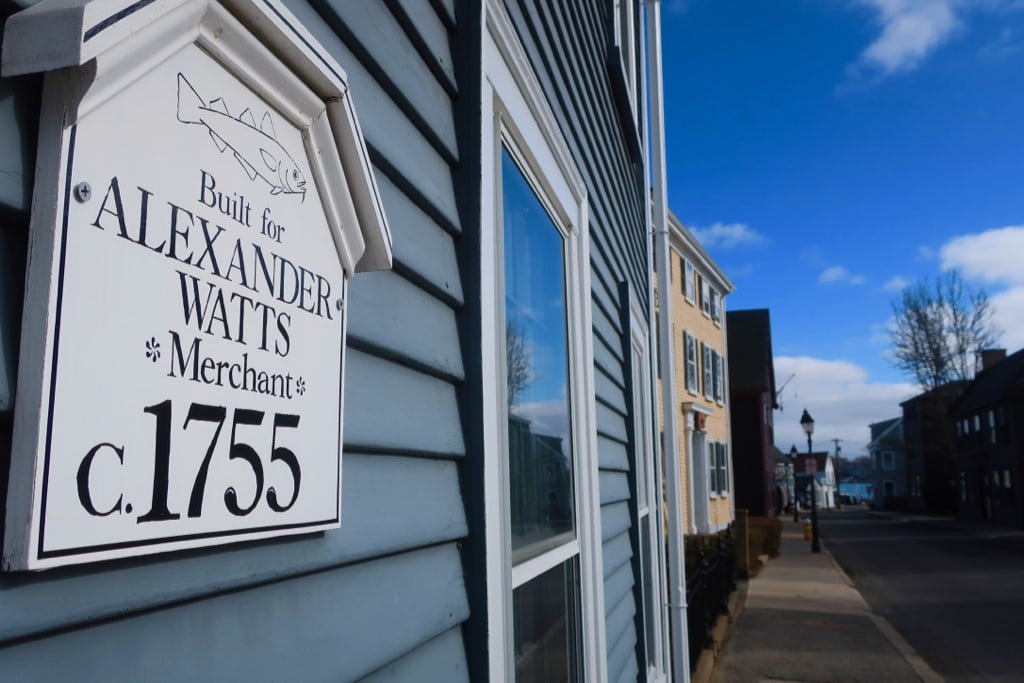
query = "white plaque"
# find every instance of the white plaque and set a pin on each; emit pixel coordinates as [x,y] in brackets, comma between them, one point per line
[192,363]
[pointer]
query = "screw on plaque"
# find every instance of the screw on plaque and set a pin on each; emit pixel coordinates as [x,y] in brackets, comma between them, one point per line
[83,192]
[339,304]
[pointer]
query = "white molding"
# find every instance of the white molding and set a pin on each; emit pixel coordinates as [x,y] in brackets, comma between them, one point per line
[513,102]
[126,39]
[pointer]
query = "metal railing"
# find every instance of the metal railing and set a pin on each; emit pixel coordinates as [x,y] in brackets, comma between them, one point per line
[710,579]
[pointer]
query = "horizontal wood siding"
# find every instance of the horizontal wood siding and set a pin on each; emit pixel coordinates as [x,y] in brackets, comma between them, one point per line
[384,597]
[567,44]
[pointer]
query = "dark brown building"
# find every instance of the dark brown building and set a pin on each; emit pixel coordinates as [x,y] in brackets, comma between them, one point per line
[751,402]
[989,424]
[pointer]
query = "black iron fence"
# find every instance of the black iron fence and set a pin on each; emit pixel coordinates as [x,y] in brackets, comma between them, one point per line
[710,579]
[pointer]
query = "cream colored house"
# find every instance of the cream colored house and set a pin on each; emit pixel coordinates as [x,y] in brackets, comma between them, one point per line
[699,288]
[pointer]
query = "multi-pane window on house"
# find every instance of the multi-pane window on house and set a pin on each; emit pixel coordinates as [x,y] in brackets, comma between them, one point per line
[541,461]
[718,363]
[888,460]
[718,468]
[705,297]
[992,425]
[689,286]
[716,306]
[690,344]
[708,370]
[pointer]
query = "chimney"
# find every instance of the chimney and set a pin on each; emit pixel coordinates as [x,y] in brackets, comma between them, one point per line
[990,357]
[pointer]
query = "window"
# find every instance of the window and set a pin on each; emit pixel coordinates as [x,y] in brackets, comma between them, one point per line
[690,343]
[705,297]
[706,364]
[688,282]
[718,363]
[889,487]
[625,38]
[718,469]
[648,487]
[888,460]
[542,517]
[545,605]
[716,306]
[992,426]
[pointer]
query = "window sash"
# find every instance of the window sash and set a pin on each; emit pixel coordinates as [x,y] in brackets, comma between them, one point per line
[707,370]
[689,283]
[690,343]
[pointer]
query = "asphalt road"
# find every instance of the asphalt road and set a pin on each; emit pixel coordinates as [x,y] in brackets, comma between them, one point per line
[954,592]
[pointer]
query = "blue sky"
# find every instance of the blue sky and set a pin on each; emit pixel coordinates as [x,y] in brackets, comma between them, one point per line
[826,152]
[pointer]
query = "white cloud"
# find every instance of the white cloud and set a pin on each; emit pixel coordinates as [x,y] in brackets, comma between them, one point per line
[1008,307]
[841,398]
[841,275]
[991,256]
[727,235]
[910,31]
[895,284]
[925,253]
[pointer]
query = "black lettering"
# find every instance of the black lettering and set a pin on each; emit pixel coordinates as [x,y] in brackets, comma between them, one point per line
[84,494]
[203,187]
[113,192]
[208,250]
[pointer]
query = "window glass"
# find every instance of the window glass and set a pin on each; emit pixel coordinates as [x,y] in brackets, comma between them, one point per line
[705,359]
[540,457]
[689,282]
[546,628]
[712,468]
[692,383]
[723,467]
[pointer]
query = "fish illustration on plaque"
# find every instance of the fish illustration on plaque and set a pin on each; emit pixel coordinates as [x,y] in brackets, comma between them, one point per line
[255,147]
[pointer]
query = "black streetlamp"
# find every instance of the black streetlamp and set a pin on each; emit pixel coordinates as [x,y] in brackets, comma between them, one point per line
[807,422]
[792,469]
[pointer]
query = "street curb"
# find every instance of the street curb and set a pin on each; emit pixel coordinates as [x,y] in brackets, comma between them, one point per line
[909,654]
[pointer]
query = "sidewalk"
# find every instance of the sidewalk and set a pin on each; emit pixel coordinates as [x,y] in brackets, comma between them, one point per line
[804,621]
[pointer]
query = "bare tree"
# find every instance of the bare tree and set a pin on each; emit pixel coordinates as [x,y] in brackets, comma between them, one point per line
[517,361]
[939,331]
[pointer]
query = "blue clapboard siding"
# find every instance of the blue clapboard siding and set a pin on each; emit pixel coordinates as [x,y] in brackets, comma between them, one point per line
[324,626]
[567,44]
[385,596]
[441,660]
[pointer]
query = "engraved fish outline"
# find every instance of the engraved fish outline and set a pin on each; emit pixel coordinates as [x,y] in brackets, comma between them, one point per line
[256,148]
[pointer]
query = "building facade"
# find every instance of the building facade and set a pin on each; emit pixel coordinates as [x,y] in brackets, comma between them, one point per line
[698,291]
[501,496]
[988,422]
[891,482]
[751,407]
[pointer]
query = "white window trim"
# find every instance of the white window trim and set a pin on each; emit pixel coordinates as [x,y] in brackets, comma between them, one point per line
[656,533]
[513,104]
[690,280]
[625,17]
[705,297]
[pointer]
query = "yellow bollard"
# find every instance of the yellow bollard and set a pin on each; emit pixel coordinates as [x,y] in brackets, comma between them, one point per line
[807,530]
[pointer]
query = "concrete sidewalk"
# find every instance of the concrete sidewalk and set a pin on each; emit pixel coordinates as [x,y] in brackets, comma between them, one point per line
[804,621]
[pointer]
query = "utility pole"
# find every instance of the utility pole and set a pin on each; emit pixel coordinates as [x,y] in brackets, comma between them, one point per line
[835,473]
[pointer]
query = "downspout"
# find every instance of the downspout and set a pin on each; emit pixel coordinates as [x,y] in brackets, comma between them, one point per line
[670,449]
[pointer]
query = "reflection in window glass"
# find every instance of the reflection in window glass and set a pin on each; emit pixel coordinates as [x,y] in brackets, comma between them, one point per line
[546,626]
[539,446]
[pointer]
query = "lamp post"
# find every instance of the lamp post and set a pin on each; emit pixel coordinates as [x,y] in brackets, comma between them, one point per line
[792,470]
[807,422]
